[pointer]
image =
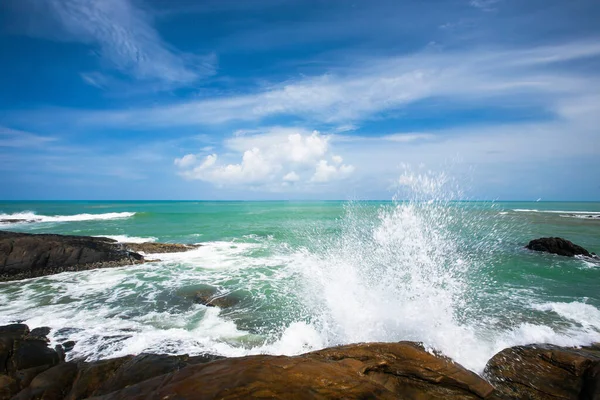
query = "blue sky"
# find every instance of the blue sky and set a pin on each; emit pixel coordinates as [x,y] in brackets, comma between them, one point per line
[298,99]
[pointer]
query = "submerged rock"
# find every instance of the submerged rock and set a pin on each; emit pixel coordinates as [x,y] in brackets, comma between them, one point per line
[209,296]
[539,372]
[560,246]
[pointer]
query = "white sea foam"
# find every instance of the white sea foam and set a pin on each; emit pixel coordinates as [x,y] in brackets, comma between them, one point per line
[29,217]
[556,211]
[130,239]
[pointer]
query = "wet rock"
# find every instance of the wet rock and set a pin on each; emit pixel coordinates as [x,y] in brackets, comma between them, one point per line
[32,353]
[40,332]
[151,247]
[68,345]
[556,245]
[210,297]
[24,255]
[539,372]
[363,371]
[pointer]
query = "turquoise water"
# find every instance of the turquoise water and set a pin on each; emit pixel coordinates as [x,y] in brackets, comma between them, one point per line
[308,275]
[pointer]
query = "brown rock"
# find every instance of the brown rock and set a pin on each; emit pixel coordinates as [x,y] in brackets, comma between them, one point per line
[539,372]
[91,376]
[363,371]
[52,384]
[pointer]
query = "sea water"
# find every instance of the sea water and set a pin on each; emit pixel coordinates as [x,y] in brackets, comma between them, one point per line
[452,274]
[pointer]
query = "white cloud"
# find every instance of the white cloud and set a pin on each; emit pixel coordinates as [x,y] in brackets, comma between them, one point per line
[291,177]
[186,161]
[125,39]
[326,172]
[17,138]
[279,156]
[532,76]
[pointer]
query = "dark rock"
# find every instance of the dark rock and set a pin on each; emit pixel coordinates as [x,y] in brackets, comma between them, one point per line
[68,346]
[40,332]
[14,329]
[151,247]
[556,245]
[363,371]
[539,372]
[25,255]
[8,387]
[32,353]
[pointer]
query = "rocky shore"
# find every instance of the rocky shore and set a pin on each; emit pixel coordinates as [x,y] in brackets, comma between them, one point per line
[30,369]
[24,255]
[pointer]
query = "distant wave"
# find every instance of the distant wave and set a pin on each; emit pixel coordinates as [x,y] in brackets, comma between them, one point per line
[31,217]
[564,214]
[557,211]
[130,239]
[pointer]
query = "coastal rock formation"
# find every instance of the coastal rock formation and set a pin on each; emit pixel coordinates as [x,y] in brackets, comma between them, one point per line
[29,369]
[360,371]
[24,255]
[151,247]
[560,246]
[539,372]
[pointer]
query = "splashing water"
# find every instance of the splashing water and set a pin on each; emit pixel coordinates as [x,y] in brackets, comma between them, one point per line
[429,269]
[416,271]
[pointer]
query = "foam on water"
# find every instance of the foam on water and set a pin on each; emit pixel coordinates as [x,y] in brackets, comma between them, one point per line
[130,239]
[412,270]
[30,217]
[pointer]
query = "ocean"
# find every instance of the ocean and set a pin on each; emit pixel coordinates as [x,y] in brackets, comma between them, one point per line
[308,275]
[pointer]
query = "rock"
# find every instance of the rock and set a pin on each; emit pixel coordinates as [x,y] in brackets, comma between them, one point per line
[52,384]
[91,376]
[30,354]
[539,372]
[40,332]
[556,245]
[362,371]
[8,387]
[68,346]
[151,247]
[25,255]
[211,298]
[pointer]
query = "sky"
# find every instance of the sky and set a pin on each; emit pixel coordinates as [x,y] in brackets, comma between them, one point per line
[299,99]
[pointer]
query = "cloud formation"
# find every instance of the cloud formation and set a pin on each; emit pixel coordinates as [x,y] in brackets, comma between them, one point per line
[123,37]
[271,161]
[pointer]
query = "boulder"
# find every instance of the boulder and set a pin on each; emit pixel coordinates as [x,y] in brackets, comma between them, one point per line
[362,371]
[24,255]
[556,245]
[539,372]
[209,296]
